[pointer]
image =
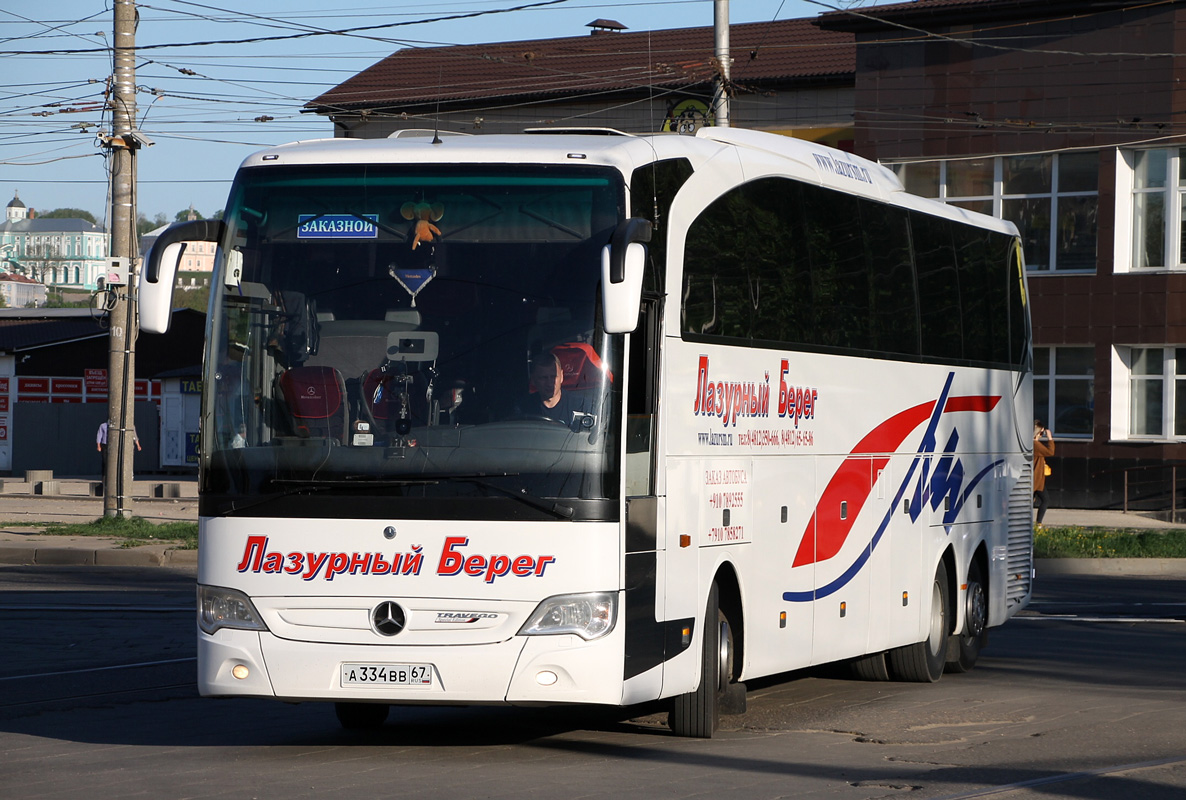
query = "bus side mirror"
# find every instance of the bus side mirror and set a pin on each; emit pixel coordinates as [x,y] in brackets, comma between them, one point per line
[155,289]
[623,262]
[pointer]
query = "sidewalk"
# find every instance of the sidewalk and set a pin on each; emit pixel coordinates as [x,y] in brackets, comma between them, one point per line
[176,499]
[73,500]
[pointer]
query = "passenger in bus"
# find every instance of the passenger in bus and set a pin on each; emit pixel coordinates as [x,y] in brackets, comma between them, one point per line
[1043,448]
[547,398]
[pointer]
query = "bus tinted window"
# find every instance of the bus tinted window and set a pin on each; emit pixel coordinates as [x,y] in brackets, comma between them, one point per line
[652,188]
[893,306]
[776,261]
[839,268]
[938,288]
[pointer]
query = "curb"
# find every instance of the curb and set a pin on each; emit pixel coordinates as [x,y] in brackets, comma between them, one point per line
[150,556]
[1170,567]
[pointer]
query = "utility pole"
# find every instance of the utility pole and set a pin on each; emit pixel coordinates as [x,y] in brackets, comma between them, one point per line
[720,97]
[122,323]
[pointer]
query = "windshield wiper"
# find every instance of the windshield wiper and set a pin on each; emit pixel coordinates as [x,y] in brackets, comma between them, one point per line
[299,484]
[549,506]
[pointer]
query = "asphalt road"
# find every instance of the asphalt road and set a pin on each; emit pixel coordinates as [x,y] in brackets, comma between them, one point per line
[1083,697]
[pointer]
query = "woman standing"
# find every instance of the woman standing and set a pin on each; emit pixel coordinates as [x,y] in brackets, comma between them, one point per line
[1043,449]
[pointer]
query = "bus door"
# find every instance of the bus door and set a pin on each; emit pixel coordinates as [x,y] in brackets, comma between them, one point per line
[647,634]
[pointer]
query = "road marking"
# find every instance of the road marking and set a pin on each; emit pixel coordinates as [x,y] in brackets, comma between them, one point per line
[100,669]
[1077,618]
[137,609]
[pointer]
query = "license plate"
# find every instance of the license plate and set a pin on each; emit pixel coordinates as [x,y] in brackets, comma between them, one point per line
[386,675]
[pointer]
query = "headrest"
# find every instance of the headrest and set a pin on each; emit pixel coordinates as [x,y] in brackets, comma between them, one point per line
[407,318]
[312,392]
[581,365]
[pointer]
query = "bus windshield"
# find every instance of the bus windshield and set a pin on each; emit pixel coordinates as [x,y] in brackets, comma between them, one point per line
[423,340]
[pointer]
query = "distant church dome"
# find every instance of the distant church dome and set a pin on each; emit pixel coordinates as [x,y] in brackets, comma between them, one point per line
[16,210]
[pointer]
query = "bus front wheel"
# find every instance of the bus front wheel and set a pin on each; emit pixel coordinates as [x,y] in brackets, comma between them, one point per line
[923,662]
[696,713]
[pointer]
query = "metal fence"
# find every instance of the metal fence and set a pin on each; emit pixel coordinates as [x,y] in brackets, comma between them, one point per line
[1157,489]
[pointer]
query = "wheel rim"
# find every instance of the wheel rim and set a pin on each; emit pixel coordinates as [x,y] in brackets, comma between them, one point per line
[935,639]
[976,611]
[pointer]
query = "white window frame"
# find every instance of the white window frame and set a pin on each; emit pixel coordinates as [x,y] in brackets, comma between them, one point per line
[998,198]
[1127,231]
[1122,391]
[1052,376]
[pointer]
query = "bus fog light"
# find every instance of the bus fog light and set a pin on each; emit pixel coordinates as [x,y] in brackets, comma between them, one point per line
[589,616]
[546,678]
[241,672]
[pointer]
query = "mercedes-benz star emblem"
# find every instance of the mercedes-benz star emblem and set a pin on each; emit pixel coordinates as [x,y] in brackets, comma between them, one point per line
[388,618]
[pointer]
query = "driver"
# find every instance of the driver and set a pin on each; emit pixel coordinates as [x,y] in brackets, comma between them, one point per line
[547,398]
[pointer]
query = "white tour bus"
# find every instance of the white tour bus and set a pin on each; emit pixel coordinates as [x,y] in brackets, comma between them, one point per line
[603,419]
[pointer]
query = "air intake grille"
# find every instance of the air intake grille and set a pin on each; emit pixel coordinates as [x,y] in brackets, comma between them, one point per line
[1021,539]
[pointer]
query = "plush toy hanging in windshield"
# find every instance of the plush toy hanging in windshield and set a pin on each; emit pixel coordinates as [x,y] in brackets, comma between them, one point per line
[424,235]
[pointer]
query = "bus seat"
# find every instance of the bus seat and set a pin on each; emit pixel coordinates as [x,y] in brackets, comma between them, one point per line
[315,401]
[385,409]
[405,319]
[581,365]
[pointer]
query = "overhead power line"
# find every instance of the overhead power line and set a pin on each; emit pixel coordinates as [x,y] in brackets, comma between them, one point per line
[302,35]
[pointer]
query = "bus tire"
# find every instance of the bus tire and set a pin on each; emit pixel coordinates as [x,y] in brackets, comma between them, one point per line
[964,650]
[923,662]
[361,716]
[872,667]
[697,713]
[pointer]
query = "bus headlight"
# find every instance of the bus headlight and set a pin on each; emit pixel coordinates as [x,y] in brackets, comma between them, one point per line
[226,608]
[589,616]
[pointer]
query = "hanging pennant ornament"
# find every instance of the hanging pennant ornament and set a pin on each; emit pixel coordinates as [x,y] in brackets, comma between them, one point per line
[413,280]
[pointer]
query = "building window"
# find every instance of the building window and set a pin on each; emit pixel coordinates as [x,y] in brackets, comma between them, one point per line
[1064,390]
[1029,190]
[1156,392]
[1157,191]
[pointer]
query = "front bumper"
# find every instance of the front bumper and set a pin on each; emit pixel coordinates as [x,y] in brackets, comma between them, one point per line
[503,672]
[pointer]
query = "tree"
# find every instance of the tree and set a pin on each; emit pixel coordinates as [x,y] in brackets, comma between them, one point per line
[144,224]
[68,213]
[58,298]
[184,213]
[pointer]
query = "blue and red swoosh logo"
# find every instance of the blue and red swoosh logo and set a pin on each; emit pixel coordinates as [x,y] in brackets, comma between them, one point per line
[853,483]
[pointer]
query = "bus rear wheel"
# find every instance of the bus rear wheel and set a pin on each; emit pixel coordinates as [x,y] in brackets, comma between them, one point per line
[697,713]
[923,662]
[361,716]
[964,650]
[872,667]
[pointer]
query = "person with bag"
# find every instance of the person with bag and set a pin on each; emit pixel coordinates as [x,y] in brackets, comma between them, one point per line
[1043,449]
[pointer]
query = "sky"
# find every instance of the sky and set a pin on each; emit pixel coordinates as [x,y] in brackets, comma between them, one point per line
[206,106]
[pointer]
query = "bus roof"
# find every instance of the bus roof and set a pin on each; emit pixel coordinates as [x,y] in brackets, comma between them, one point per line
[772,153]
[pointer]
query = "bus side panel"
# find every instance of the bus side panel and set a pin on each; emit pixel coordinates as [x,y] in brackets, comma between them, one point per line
[683,597]
[895,565]
[774,644]
[843,582]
